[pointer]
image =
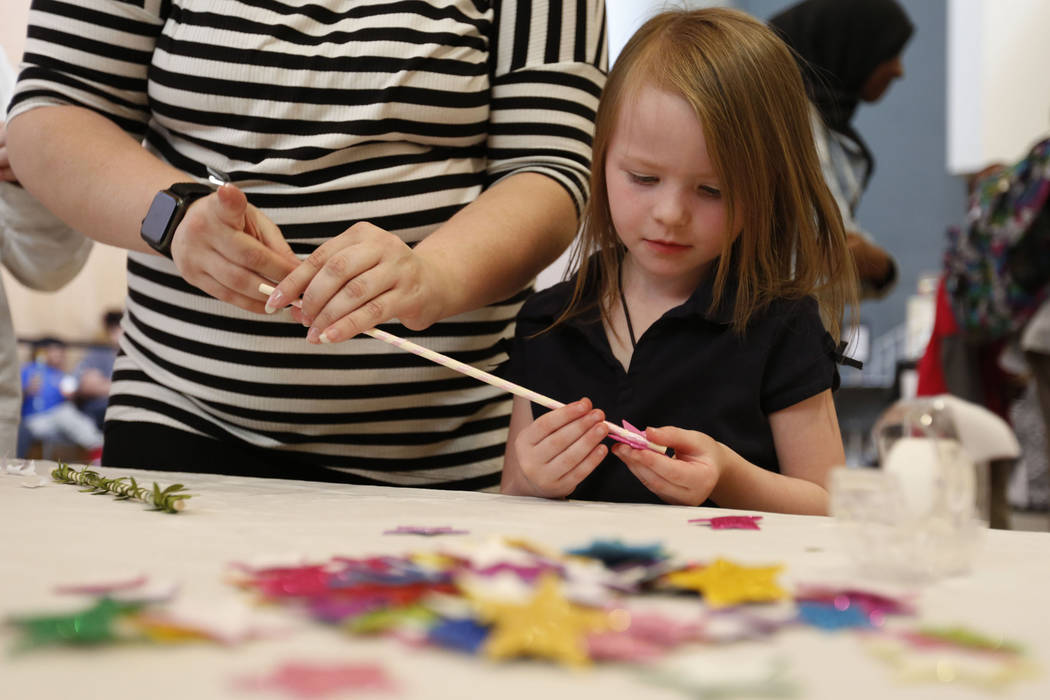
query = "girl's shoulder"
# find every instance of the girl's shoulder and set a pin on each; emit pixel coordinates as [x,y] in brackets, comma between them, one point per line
[794,306]
[786,316]
[785,311]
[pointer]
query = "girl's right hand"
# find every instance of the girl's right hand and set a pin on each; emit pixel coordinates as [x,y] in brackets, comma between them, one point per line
[212,253]
[690,476]
[560,448]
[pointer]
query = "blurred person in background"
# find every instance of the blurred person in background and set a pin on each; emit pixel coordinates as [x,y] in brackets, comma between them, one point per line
[49,416]
[95,370]
[40,252]
[849,52]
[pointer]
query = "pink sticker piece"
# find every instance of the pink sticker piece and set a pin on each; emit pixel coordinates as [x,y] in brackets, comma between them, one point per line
[101,588]
[730,522]
[311,680]
[524,572]
[425,531]
[641,444]
[292,582]
[647,636]
[620,646]
[874,604]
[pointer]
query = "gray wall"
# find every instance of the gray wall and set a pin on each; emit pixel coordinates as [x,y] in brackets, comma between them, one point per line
[911,199]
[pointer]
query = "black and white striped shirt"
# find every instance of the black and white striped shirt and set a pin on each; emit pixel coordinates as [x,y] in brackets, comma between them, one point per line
[396,112]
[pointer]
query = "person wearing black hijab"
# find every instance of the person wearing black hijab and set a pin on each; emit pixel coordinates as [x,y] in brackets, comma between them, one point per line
[849,52]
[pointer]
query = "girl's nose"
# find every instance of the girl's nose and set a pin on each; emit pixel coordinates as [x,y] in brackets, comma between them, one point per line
[671,209]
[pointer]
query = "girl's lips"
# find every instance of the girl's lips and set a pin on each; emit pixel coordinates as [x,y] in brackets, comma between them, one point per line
[665,246]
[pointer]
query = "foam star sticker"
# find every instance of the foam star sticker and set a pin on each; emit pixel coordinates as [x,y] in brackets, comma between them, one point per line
[830,617]
[546,626]
[728,625]
[426,531]
[310,680]
[955,665]
[616,553]
[387,619]
[961,637]
[162,630]
[488,552]
[462,634]
[730,522]
[704,677]
[94,625]
[875,606]
[724,583]
[640,636]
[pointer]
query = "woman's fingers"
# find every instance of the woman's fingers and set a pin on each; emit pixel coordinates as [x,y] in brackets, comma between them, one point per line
[363,277]
[323,274]
[213,253]
[220,291]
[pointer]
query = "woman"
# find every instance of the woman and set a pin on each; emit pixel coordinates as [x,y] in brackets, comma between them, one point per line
[850,52]
[409,162]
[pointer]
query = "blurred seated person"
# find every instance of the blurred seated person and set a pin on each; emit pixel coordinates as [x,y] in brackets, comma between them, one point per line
[49,415]
[95,369]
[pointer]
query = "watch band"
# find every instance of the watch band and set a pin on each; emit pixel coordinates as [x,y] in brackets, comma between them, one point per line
[167,211]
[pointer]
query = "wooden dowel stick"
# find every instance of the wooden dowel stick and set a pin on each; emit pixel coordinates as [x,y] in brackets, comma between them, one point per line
[491,379]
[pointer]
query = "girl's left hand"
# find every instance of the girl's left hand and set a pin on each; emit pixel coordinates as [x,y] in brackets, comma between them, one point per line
[686,479]
[357,280]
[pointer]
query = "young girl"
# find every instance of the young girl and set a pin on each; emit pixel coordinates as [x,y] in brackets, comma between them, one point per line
[710,252]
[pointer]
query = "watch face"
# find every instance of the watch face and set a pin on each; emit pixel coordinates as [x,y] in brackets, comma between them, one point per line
[156,222]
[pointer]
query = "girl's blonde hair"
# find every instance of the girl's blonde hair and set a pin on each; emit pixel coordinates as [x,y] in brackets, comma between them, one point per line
[746,89]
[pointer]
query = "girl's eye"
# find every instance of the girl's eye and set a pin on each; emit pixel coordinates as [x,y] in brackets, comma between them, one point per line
[711,191]
[641,179]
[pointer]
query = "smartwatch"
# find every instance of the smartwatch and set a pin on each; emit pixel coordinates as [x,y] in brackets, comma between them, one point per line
[166,212]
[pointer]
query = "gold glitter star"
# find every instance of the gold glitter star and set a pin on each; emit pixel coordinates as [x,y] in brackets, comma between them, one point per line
[547,626]
[724,583]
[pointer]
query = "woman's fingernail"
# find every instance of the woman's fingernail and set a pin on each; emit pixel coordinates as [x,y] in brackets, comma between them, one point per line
[276,301]
[313,335]
[330,336]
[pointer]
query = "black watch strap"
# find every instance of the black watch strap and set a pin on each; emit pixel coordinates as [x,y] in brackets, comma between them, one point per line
[191,191]
[166,212]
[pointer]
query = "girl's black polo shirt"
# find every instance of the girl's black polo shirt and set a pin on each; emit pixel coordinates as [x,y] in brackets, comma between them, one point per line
[689,370]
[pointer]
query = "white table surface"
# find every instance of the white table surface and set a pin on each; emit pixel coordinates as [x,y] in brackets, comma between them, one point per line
[56,535]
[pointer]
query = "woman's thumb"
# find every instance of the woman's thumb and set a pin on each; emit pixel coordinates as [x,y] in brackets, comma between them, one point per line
[232,205]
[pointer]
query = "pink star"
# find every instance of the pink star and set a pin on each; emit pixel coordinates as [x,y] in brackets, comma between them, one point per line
[730,522]
[309,680]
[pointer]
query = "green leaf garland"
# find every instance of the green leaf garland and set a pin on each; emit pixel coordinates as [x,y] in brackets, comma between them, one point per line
[170,500]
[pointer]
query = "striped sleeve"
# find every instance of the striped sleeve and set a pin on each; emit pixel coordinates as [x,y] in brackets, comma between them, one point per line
[96,57]
[549,70]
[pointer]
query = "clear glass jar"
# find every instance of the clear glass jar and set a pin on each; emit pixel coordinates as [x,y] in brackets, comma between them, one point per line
[914,518]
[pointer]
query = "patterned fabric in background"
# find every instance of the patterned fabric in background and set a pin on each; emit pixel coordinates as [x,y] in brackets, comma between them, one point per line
[998,265]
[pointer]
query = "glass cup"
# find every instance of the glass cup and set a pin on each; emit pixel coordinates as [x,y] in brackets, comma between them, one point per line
[914,518]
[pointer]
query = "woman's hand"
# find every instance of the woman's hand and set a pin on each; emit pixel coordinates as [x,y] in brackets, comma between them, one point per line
[212,252]
[559,449]
[356,281]
[686,479]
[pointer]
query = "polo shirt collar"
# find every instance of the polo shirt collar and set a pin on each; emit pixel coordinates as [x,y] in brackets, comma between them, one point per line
[696,305]
[699,302]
